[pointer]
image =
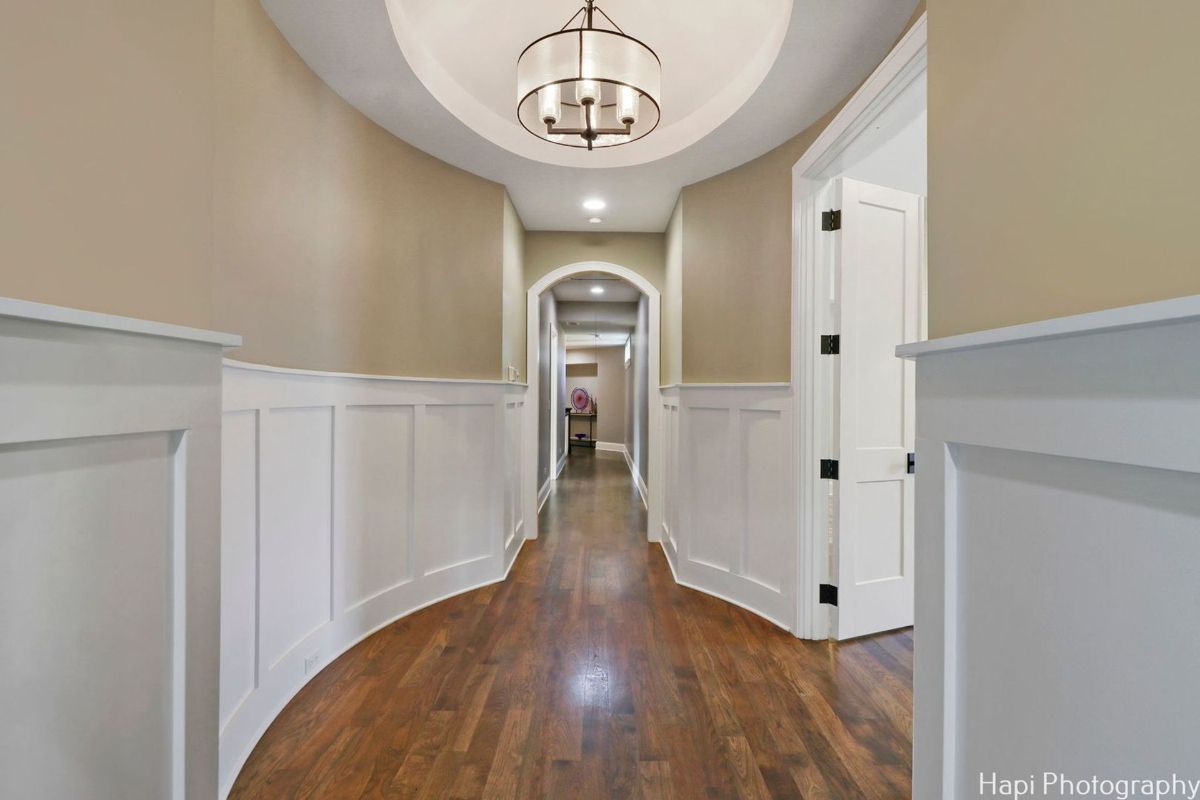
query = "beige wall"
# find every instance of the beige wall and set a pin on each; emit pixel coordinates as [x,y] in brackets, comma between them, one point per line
[607,387]
[671,343]
[338,246]
[737,269]
[549,250]
[737,265]
[1063,158]
[513,287]
[106,160]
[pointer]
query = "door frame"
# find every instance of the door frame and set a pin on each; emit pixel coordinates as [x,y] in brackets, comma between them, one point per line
[811,257]
[554,407]
[653,393]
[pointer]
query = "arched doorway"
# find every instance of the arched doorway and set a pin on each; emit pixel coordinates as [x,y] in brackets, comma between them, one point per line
[654,415]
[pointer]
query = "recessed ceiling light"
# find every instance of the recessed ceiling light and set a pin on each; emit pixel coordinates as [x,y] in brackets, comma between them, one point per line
[597,290]
[595,220]
[594,204]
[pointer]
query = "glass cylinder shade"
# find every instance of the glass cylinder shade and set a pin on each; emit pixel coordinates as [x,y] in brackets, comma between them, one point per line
[548,103]
[620,76]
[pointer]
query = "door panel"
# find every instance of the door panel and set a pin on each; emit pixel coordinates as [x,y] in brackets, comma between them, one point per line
[878,270]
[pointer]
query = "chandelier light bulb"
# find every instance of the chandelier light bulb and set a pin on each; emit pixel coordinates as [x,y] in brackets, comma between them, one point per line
[627,105]
[548,102]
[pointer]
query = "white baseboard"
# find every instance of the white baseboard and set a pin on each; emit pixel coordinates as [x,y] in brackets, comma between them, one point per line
[544,493]
[562,462]
[611,447]
[637,478]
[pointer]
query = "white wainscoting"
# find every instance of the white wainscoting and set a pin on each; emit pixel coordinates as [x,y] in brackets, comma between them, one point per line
[728,522]
[348,502]
[109,457]
[1058,549]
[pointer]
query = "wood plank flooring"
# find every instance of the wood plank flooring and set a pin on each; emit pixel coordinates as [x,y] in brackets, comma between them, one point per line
[590,673]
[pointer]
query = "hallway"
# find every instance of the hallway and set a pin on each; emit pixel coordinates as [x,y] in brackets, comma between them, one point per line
[589,673]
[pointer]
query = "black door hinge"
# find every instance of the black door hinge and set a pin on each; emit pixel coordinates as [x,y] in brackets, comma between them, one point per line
[912,463]
[831,344]
[829,469]
[827,594]
[831,220]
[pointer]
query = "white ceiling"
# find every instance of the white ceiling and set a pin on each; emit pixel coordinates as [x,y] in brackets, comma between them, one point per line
[578,289]
[827,48]
[590,324]
[457,49]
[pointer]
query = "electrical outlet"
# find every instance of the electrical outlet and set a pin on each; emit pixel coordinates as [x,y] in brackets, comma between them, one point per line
[310,663]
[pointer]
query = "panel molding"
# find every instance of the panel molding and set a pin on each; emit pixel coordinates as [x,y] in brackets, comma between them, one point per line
[457,446]
[1086,428]
[715,538]
[111,427]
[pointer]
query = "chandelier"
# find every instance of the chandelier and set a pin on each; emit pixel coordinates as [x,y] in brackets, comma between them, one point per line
[587,86]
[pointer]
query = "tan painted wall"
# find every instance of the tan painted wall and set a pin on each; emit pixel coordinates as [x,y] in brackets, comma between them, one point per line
[671,343]
[513,280]
[607,386]
[106,158]
[737,265]
[1063,158]
[737,269]
[549,250]
[338,246]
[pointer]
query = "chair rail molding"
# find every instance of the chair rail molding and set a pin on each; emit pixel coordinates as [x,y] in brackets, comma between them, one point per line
[728,527]
[349,501]
[109,554]
[1057,551]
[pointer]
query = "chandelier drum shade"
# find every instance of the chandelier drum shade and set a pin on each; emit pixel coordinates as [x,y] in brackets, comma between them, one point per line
[588,87]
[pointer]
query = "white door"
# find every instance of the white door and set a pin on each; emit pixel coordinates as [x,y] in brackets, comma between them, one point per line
[878,271]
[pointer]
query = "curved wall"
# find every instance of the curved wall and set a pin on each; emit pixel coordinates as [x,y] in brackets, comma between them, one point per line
[107,157]
[347,502]
[338,246]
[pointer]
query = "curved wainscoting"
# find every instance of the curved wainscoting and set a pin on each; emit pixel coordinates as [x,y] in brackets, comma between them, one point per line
[348,502]
[729,494]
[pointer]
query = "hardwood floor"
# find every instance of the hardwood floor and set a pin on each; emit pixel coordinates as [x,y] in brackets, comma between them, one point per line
[590,673]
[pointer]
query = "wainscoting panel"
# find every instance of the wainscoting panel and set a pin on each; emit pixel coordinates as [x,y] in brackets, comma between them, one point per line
[296,537]
[1058,538]
[378,463]
[728,523]
[515,445]
[670,449]
[109,537]
[350,501]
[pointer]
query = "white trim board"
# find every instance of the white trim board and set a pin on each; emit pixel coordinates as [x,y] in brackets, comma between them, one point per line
[637,477]
[810,300]
[1176,310]
[611,447]
[62,315]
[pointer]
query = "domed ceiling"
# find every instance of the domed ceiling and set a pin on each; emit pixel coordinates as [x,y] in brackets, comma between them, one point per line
[738,78]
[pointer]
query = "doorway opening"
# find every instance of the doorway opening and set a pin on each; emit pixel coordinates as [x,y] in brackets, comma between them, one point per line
[593,364]
[858,292]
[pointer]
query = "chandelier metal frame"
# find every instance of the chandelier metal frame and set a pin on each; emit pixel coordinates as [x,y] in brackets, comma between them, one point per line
[589,111]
